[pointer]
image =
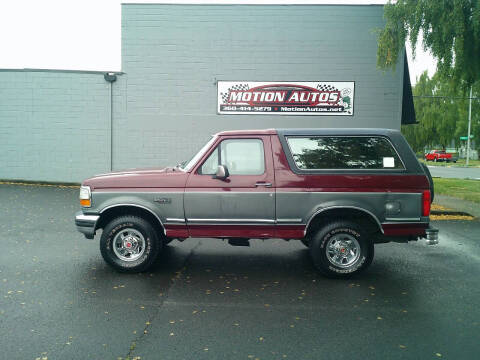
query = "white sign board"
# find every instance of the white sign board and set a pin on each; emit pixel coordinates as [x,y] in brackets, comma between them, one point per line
[286,98]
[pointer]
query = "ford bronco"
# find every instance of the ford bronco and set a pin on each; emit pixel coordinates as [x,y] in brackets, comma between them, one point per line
[338,191]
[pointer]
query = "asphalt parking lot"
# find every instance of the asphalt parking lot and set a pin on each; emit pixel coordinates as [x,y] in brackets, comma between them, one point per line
[208,300]
[455,172]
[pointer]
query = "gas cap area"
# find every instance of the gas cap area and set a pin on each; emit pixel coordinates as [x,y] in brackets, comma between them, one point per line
[393,207]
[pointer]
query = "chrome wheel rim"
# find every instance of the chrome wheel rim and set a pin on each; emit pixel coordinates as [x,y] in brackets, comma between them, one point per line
[129,244]
[343,250]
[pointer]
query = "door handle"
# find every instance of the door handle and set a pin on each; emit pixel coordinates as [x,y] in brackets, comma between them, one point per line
[266,184]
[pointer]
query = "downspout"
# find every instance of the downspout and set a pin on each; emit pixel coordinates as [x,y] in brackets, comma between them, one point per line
[111,78]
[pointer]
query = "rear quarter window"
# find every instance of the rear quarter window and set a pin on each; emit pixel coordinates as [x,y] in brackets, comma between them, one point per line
[343,152]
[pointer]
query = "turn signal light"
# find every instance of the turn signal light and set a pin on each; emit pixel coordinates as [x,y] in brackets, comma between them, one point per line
[426,200]
[85,196]
[85,202]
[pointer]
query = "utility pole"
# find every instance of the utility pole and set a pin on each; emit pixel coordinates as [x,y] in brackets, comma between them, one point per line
[469,124]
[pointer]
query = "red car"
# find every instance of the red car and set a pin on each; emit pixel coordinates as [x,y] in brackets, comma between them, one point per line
[439,155]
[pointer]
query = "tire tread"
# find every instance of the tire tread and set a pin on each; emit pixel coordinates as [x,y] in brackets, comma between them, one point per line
[148,232]
[322,264]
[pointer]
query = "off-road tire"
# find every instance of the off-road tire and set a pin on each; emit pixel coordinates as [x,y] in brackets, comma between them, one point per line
[153,243]
[337,230]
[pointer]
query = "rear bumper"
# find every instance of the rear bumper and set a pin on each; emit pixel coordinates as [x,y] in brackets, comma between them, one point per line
[409,231]
[86,224]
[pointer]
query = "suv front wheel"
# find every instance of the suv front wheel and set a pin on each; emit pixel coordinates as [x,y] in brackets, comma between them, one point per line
[340,249]
[130,244]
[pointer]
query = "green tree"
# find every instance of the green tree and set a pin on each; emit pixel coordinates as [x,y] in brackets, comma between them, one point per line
[451,31]
[441,119]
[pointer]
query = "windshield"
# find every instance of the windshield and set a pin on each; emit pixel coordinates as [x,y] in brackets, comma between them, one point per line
[186,166]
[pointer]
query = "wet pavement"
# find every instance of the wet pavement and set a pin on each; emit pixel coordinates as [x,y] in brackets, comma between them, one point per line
[456,172]
[205,299]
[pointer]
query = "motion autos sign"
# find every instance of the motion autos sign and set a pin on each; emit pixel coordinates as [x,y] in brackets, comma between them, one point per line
[286,98]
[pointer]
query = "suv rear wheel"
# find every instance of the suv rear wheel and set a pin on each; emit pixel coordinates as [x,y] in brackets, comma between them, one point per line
[130,244]
[340,249]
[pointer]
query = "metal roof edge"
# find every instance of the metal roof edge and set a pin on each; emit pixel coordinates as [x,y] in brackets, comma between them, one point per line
[260,2]
[63,71]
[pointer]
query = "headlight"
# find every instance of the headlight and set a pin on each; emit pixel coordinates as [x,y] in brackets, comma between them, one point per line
[85,196]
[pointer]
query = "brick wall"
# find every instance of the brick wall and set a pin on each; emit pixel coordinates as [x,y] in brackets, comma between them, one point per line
[54,125]
[174,54]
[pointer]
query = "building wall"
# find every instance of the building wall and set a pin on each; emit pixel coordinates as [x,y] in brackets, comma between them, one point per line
[54,125]
[174,54]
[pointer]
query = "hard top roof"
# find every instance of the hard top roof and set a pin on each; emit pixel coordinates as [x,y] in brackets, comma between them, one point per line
[312,132]
[336,131]
[249,132]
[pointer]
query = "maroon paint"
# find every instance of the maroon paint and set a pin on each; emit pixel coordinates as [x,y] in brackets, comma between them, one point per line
[247,133]
[287,180]
[165,178]
[234,182]
[404,229]
[141,189]
[176,231]
[238,183]
[277,172]
[236,231]
[289,231]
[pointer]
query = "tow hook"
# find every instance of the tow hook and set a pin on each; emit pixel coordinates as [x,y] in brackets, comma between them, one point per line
[432,236]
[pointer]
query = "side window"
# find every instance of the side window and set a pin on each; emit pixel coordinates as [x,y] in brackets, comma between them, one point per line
[343,152]
[241,156]
[209,167]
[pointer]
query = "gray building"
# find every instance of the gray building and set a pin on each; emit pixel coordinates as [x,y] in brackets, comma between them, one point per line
[67,125]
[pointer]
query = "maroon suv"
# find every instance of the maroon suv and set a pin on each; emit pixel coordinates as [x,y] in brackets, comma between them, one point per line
[338,191]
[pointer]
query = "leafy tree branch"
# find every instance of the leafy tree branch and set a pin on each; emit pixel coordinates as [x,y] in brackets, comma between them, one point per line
[451,31]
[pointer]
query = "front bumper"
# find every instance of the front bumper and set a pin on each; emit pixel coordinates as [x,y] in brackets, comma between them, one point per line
[86,224]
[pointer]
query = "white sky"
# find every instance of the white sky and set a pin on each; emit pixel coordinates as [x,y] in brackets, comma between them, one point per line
[86,34]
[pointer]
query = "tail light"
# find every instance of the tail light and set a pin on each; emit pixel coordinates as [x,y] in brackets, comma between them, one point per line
[426,200]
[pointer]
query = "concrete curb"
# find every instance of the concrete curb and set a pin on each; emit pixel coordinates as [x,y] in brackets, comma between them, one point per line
[448,212]
[459,205]
[39,183]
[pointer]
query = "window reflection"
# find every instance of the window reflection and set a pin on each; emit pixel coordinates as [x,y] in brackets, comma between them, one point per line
[356,152]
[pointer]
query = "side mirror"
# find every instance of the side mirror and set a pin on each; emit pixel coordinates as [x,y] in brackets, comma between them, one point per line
[222,173]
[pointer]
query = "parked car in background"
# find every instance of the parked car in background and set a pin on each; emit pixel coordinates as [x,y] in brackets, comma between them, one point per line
[439,155]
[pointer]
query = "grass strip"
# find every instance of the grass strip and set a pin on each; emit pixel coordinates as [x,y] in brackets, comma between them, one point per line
[460,188]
